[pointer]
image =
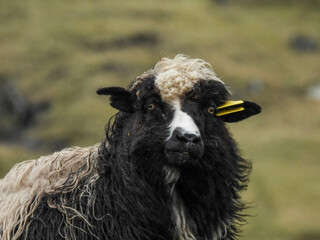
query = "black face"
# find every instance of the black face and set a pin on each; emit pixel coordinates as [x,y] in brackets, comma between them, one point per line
[193,123]
[175,132]
[176,128]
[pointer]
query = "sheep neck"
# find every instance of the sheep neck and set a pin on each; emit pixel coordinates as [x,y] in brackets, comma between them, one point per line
[182,221]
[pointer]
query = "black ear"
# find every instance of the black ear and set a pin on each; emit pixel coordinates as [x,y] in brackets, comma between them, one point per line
[235,111]
[120,99]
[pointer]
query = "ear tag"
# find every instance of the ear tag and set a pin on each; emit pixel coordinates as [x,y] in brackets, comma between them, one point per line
[230,107]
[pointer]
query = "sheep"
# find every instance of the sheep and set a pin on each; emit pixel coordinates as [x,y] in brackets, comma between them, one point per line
[167,168]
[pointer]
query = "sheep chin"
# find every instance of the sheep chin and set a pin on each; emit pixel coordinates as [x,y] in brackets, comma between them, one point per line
[180,159]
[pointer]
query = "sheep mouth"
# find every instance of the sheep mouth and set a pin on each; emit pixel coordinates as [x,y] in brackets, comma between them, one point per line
[181,158]
[180,153]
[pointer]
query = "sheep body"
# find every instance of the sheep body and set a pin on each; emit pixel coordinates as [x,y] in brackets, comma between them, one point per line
[168,168]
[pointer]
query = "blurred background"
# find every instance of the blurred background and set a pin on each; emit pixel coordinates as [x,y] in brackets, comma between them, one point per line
[54,54]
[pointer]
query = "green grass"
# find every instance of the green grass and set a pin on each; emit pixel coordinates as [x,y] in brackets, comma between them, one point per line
[62,51]
[283,187]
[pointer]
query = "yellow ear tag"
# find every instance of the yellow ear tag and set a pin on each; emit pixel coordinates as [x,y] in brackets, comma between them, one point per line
[230,107]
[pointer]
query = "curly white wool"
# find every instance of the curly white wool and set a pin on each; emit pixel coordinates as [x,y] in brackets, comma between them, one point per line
[24,186]
[175,77]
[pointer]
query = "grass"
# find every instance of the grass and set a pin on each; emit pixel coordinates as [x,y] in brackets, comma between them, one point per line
[62,51]
[283,185]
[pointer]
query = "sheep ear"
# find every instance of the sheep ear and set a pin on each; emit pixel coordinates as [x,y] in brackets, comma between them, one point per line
[234,111]
[120,99]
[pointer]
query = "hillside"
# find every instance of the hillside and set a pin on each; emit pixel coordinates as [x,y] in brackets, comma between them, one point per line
[54,54]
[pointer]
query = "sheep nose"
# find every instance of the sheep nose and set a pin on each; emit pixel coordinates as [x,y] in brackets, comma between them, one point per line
[183,141]
[184,147]
[187,137]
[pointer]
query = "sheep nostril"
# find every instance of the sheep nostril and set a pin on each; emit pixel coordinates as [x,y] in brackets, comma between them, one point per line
[188,137]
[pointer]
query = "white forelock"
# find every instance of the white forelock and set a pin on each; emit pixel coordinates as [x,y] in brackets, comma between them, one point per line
[175,77]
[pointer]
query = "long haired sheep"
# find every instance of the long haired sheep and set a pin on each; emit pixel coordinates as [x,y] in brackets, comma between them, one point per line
[167,168]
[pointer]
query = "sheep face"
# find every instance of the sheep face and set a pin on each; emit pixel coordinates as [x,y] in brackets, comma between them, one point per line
[193,122]
[178,127]
[172,110]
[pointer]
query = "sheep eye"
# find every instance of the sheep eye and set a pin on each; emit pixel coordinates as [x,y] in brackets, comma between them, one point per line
[211,110]
[151,106]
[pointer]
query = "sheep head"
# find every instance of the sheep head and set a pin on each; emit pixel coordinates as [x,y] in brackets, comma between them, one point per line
[179,107]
